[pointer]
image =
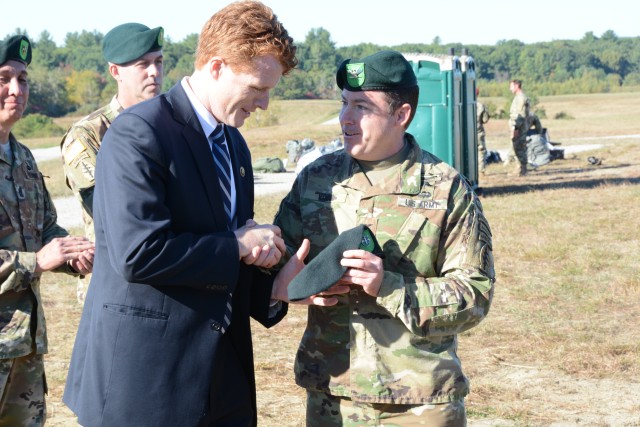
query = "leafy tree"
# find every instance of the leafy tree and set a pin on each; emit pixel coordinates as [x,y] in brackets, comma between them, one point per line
[83,51]
[178,59]
[84,89]
[47,91]
[317,56]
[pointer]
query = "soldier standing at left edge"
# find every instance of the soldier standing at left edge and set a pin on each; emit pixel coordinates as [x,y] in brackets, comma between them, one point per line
[31,243]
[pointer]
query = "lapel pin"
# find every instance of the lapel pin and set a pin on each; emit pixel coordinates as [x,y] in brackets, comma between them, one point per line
[242,171]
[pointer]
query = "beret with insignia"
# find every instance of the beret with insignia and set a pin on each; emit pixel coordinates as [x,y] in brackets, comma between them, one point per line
[385,71]
[16,47]
[128,42]
[325,270]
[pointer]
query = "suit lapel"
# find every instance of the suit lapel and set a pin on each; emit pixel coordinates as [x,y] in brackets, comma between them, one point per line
[243,175]
[199,147]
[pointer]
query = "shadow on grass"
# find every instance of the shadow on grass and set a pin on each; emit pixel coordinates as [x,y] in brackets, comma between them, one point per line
[524,187]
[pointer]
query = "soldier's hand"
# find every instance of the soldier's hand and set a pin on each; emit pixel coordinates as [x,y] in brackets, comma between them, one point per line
[291,270]
[260,245]
[60,250]
[84,263]
[363,269]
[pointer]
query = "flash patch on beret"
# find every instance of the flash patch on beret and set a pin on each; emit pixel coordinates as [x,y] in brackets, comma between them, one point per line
[355,74]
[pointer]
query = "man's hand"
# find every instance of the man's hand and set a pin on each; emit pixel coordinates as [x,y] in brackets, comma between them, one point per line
[291,270]
[260,245]
[84,263]
[60,250]
[364,269]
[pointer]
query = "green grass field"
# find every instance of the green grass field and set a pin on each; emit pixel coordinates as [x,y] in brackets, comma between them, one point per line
[561,344]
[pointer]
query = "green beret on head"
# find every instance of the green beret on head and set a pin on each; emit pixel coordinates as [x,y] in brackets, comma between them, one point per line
[325,269]
[128,42]
[17,48]
[385,70]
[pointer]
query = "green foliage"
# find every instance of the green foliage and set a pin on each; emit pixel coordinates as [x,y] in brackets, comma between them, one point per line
[74,77]
[48,91]
[84,89]
[36,126]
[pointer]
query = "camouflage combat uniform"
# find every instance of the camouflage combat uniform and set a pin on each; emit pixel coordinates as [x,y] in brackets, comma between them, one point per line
[518,120]
[27,223]
[79,148]
[482,116]
[438,281]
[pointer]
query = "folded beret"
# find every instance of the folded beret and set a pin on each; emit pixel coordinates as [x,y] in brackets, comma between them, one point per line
[17,48]
[325,270]
[128,42]
[385,70]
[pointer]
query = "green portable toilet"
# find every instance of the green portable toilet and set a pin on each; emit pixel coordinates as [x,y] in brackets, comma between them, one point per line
[469,118]
[438,123]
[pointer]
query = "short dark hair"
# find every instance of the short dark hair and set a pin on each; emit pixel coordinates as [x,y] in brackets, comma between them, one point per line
[399,97]
[517,82]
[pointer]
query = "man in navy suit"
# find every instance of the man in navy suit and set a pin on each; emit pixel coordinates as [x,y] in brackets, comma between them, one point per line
[153,346]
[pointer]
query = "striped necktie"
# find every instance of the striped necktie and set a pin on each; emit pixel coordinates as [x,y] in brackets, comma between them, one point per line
[223,167]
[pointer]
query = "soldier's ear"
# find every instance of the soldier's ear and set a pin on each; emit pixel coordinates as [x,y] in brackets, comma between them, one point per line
[402,115]
[114,70]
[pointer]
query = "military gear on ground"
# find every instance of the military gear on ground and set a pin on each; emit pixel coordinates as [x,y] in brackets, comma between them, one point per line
[385,70]
[17,48]
[269,165]
[128,42]
[293,151]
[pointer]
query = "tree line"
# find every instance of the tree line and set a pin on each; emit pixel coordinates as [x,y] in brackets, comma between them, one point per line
[74,79]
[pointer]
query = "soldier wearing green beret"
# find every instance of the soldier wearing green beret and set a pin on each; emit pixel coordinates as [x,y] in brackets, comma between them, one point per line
[134,53]
[387,350]
[31,243]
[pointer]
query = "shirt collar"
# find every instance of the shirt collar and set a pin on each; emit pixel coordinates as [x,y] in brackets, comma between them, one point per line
[206,119]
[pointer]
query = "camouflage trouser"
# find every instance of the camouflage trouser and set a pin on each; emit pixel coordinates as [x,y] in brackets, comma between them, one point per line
[22,387]
[83,285]
[324,410]
[482,152]
[520,149]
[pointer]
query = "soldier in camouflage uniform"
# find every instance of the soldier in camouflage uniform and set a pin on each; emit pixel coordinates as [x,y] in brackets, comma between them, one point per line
[519,125]
[482,117]
[30,243]
[134,53]
[387,351]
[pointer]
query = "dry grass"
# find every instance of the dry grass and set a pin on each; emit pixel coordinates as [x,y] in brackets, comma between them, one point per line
[561,345]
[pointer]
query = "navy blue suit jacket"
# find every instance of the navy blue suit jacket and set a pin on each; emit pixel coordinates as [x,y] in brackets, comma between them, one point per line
[164,266]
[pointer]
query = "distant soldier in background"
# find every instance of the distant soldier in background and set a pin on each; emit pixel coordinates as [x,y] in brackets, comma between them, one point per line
[519,124]
[482,116]
[134,53]
[31,242]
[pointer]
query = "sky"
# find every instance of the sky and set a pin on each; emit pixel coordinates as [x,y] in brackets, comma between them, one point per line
[385,23]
